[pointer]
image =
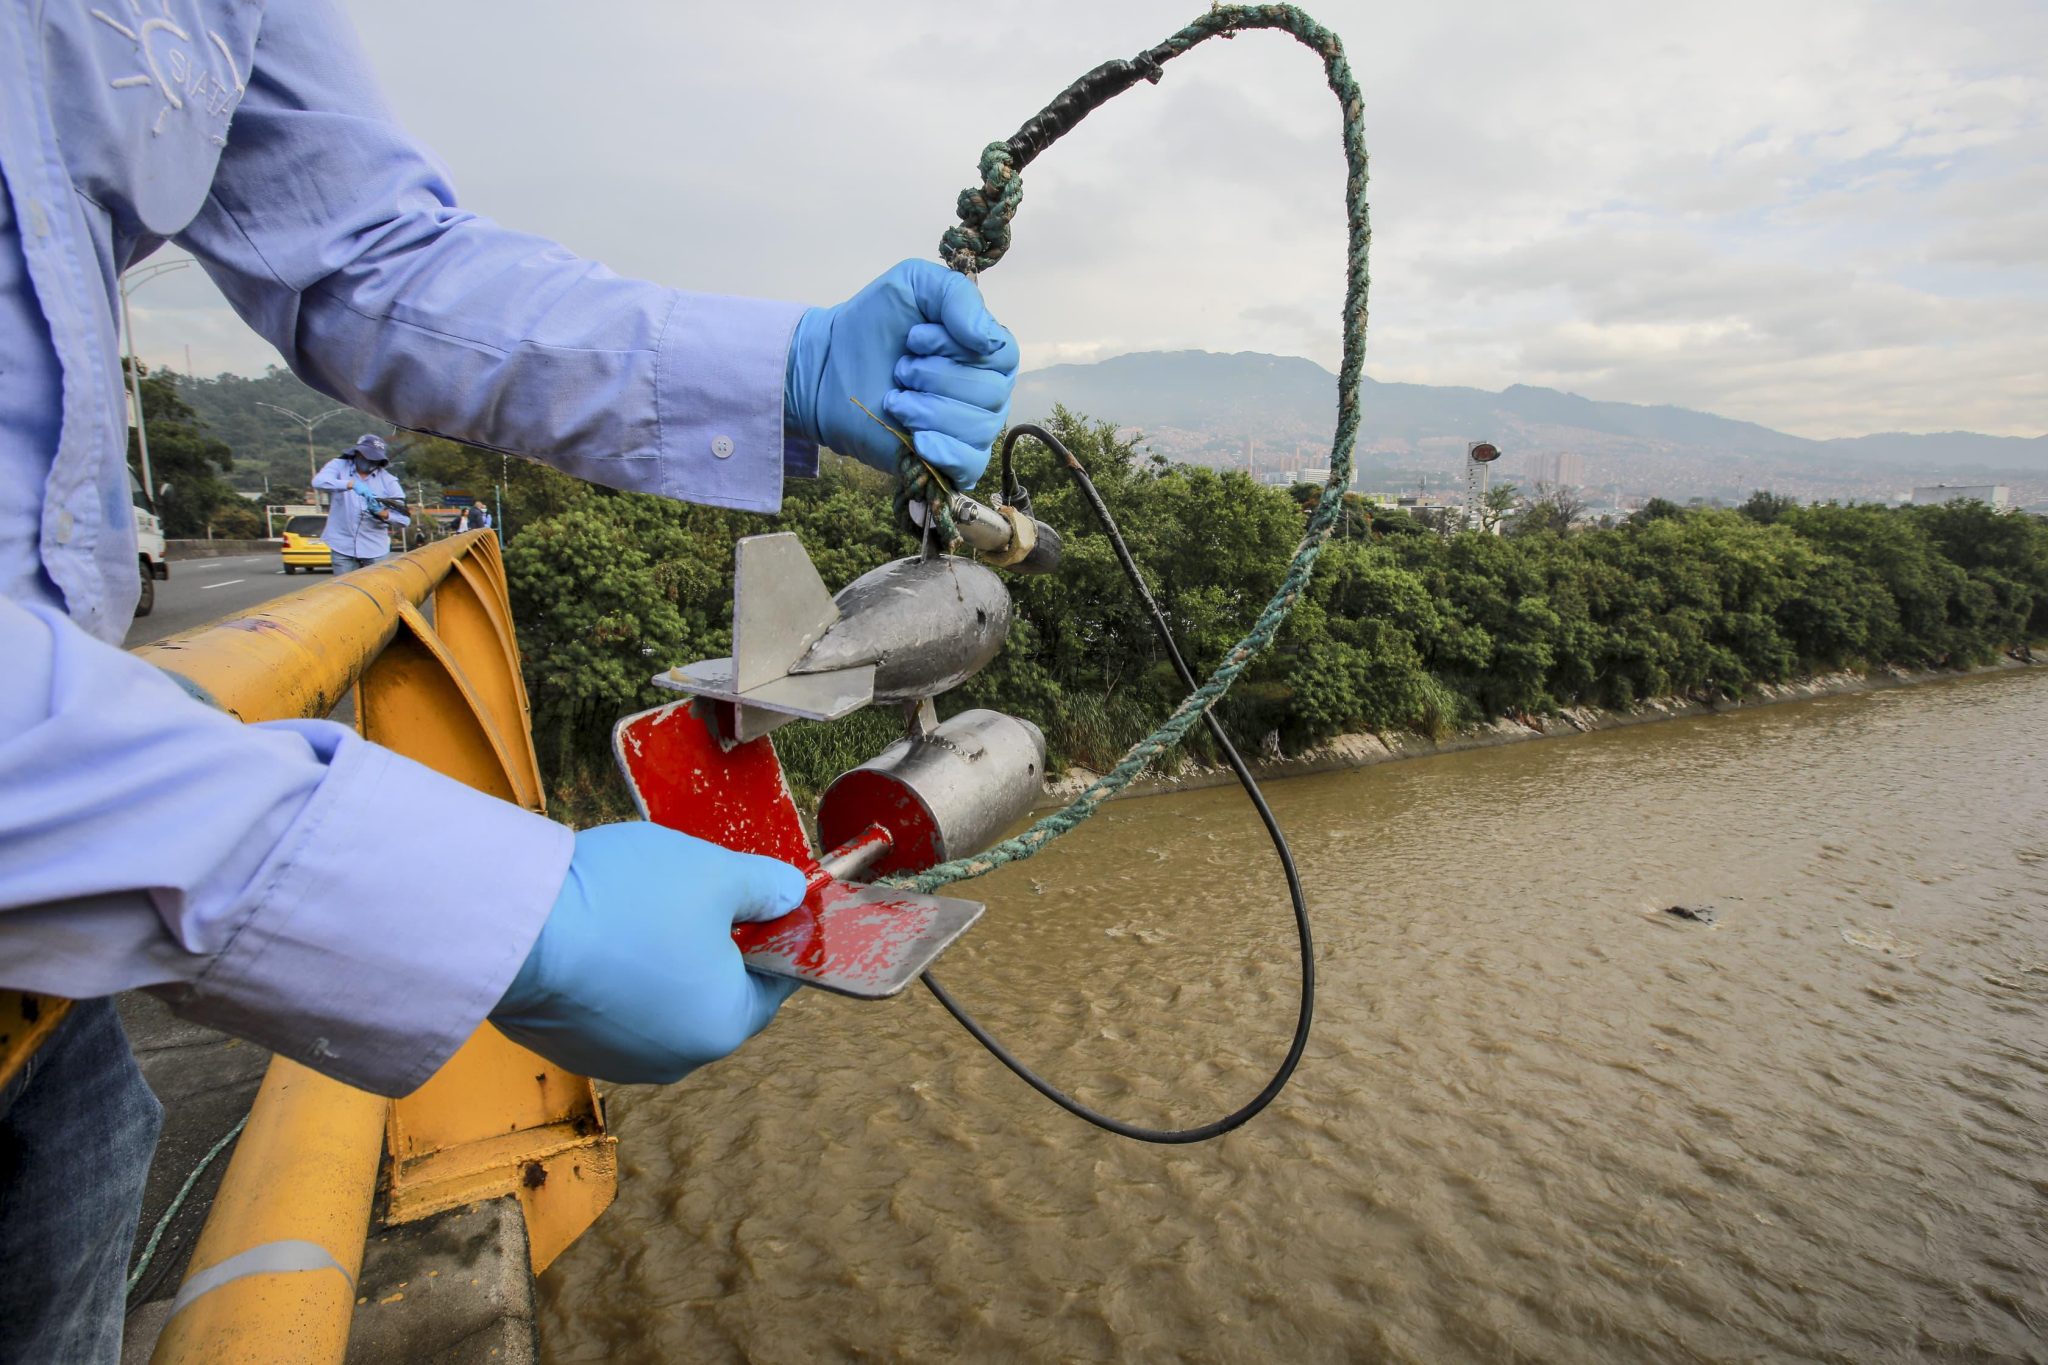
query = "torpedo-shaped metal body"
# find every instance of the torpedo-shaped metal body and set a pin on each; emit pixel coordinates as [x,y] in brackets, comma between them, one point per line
[927,625]
[910,629]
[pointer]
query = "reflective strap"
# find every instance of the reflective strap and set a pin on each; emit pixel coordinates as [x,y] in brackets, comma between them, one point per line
[267,1259]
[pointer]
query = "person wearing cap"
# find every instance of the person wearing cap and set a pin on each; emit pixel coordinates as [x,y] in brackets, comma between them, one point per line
[367,502]
[150,842]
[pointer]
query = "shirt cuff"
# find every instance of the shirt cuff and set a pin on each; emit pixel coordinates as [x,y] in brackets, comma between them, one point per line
[722,366]
[379,940]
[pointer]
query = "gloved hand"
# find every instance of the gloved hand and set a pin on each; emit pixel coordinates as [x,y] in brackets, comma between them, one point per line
[635,976]
[361,488]
[920,349]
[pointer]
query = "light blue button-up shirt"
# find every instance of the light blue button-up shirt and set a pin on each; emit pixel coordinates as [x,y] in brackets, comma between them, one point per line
[352,525]
[145,839]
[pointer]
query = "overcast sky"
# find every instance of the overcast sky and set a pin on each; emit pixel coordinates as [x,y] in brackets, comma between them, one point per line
[1829,216]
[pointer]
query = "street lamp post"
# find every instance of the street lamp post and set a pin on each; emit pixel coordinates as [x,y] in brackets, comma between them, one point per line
[308,423]
[130,282]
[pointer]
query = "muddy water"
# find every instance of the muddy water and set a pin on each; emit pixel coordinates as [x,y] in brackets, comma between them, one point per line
[1539,1118]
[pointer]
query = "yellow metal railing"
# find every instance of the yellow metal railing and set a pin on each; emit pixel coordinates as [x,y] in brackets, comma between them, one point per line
[425,640]
[26,1019]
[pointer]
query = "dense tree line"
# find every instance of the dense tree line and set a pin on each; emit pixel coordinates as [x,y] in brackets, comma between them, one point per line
[1405,628]
[1412,623]
[269,448]
[190,466]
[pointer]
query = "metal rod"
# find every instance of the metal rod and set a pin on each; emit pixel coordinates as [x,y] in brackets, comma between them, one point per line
[131,281]
[312,467]
[846,862]
[134,377]
[979,526]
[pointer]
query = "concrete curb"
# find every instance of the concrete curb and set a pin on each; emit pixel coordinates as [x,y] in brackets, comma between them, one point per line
[453,1289]
[218,549]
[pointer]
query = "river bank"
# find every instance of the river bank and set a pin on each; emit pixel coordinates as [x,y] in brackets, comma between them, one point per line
[1539,1118]
[1364,750]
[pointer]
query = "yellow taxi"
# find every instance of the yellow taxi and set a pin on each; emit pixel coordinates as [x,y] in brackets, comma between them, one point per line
[303,548]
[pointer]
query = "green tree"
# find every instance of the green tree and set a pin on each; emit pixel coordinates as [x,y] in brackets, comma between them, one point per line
[1658,509]
[188,461]
[1400,629]
[270,449]
[1498,505]
[1765,507]
[531,490]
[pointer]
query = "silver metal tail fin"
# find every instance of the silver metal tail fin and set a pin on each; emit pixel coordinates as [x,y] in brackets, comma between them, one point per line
[780,608]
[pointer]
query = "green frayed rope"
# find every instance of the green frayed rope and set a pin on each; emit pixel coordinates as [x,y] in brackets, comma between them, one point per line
[982,238]
[163,1223]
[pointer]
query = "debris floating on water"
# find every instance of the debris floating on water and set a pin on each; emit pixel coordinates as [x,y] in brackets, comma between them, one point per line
[1699,914]
[1878,941]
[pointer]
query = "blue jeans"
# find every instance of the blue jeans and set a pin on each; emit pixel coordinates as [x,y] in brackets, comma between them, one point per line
[77,1128]
[349,563]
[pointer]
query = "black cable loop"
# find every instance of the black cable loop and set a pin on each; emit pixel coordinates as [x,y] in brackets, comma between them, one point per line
[1238,1117]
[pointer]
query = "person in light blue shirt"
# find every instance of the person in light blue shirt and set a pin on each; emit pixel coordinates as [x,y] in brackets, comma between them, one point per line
[150,842]
[368,501]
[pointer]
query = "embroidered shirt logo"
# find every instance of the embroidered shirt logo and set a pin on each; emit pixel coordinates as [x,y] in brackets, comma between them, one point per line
[179,68]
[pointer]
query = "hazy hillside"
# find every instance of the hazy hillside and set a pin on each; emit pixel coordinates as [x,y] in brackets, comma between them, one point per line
[267,444]
[1276,413]
[1204,406]
[1964,451]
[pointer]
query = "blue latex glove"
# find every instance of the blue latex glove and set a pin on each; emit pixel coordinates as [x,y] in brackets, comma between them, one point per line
[920,349]
[635,976]
[361,488]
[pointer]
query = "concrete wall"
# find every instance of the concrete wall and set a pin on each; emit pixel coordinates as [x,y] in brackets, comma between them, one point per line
[215,549]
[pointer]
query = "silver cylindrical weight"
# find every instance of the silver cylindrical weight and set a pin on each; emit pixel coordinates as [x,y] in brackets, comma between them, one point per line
[945,794]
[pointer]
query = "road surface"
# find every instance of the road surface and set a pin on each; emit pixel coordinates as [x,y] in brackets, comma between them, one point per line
[202,590]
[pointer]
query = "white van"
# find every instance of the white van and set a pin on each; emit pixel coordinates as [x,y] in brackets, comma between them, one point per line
[149,546]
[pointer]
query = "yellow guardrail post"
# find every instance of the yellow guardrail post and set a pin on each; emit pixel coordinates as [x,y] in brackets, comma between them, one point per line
[26,1019]
[426,641]
[497,1119]
[274,1273]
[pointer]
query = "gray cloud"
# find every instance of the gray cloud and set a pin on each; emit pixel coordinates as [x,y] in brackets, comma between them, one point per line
[1821,216]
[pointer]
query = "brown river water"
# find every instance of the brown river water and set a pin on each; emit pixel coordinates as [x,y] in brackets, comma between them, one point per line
[1539,1118]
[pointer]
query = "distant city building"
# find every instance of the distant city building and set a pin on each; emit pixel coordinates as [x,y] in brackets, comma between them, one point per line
[1560,469]
[1479,461]
[1993,495]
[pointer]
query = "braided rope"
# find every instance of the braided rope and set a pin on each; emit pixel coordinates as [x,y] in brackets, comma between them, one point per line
[985,213]
[982,238]
[917,481]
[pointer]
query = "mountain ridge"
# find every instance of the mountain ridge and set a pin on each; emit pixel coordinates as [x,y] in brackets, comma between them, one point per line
[1196,403]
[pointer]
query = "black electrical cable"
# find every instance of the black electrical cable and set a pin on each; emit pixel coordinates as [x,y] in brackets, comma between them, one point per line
[1238,1117]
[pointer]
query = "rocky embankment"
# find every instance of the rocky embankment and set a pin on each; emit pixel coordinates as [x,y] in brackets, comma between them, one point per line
[1359,751]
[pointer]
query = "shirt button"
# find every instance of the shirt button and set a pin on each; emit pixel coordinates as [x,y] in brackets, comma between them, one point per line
[63,527]
[721,446]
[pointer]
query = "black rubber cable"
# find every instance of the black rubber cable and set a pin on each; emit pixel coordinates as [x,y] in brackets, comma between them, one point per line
[1238,1117]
